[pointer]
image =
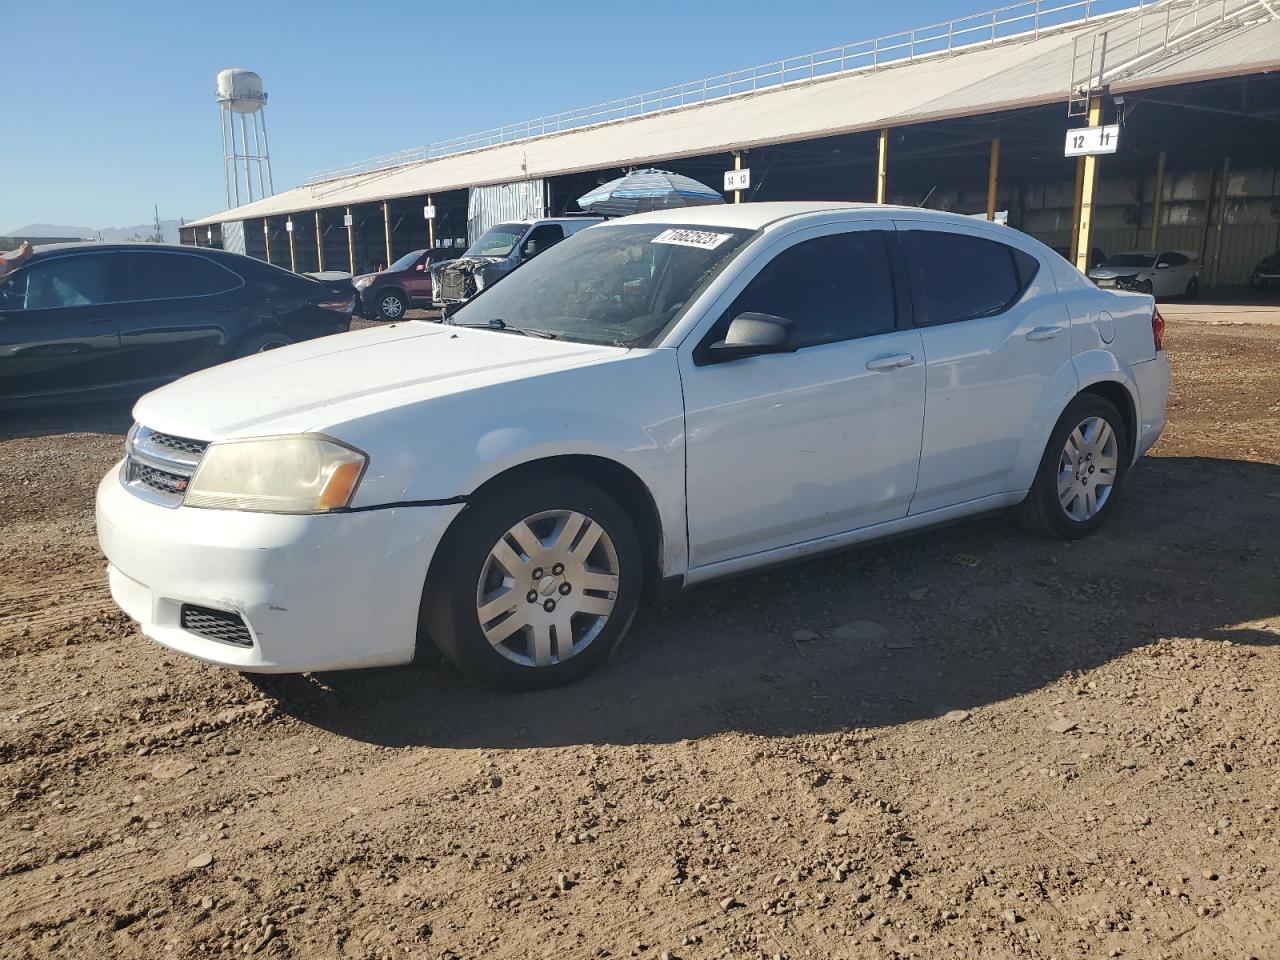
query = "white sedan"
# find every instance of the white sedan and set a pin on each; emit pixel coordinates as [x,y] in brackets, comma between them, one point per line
[656,402]
[1163,273]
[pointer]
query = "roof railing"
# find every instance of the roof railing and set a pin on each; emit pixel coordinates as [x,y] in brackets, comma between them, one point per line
[1155,30]
[1027,19]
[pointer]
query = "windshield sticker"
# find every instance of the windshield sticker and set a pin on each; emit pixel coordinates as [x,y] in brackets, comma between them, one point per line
[692,238]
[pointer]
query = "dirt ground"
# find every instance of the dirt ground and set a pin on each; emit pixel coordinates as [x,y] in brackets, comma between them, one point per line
[966,744]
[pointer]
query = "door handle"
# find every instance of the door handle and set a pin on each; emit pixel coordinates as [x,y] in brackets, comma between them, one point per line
[99,319]
[1040,334]
[891,362]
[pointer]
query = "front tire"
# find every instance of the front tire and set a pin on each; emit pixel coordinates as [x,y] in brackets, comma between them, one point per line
[391,304]
[1081,472]
[535,583]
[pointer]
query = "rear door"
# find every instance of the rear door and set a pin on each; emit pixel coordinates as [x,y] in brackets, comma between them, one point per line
[182,310]
[995,333]
[59,325]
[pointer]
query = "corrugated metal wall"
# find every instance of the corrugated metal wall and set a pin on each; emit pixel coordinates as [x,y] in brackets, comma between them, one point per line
[1189,211]
[503,201]
[233,236]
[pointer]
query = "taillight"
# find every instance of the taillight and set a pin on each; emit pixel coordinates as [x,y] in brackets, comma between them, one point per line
[1157,327]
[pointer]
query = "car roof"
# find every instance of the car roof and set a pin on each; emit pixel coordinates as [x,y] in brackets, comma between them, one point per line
[96,246]
[757,216]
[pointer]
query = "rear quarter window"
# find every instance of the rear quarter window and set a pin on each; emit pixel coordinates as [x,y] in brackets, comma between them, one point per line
[957,277]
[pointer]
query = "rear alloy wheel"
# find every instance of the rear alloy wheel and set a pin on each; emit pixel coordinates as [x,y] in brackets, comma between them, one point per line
[392,304]
[1080,473]
[1144,286]
[534,585]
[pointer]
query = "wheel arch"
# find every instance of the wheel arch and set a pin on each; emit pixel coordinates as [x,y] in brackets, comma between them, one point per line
[1119,396]
[616,479]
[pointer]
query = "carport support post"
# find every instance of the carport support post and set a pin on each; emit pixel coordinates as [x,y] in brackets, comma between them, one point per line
[993,178]
[431,226]
[1158,200]
[266,236]
[293,253]
[319,243]
[1075,208]
[737,165]
[882,166]
[1221,216]
[386,227]
[1089,180]
[351,242]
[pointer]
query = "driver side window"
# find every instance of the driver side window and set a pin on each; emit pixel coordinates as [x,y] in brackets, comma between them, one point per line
[541,238]
[77,281]
[833,288]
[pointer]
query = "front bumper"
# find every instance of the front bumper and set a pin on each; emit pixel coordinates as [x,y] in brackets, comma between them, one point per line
[327,592]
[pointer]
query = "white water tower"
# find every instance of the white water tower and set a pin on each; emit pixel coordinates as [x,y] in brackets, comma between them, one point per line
[240,94]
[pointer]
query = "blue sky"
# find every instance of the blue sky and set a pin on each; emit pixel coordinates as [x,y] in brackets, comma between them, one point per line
[110,106]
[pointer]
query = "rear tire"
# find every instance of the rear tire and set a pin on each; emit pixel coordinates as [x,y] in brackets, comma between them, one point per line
[1145,286]
[1193,288]
[261,343]
[391,304]
[552,565]
[1071,496]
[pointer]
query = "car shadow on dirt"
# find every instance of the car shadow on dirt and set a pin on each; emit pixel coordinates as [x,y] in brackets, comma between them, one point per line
[907,630]
[112,416]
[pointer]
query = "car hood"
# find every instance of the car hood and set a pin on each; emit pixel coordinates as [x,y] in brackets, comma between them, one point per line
[1110,273]
[315,385]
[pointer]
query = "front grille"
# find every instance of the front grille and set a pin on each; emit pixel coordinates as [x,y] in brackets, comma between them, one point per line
[161,481]
[457,285]
[217,625]
[159,466]
[165,441]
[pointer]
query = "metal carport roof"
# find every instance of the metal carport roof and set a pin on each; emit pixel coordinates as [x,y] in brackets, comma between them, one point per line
[1008,74]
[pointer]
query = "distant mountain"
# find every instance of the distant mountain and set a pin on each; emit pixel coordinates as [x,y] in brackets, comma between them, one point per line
[169,227]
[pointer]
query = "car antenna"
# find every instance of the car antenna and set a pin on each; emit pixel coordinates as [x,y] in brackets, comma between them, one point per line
[927,196]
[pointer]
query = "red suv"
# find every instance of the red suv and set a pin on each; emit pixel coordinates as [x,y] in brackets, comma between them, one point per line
[387,294]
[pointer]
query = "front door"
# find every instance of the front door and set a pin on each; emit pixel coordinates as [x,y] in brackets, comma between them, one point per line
[995,334]
[791,447]
[59,332]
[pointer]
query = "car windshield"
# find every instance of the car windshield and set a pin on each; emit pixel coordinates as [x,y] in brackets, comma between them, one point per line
[497,241]
[1131,260]
[407,261]
[619,284]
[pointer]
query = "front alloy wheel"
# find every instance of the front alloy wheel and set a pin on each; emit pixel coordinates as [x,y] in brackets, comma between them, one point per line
[548,588]
[391,305]
[534,583]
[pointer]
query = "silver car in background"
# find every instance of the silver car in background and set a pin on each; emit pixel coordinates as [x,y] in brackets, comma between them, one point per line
[1163,273]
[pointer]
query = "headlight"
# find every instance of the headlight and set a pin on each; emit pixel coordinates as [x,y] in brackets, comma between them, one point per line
[302,474]
[361,282]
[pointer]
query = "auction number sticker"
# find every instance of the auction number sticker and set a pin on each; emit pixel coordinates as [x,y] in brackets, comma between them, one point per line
[692,238]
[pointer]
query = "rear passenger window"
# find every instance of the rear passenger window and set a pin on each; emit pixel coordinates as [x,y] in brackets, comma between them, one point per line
[831,288]
[162,276]
[958,277]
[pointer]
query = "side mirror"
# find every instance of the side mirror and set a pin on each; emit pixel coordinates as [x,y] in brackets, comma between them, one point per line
[530,249]
[1162,266]
[752,334]
[420,267]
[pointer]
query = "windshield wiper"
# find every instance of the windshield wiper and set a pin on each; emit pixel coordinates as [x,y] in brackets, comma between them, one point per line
[497,323]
